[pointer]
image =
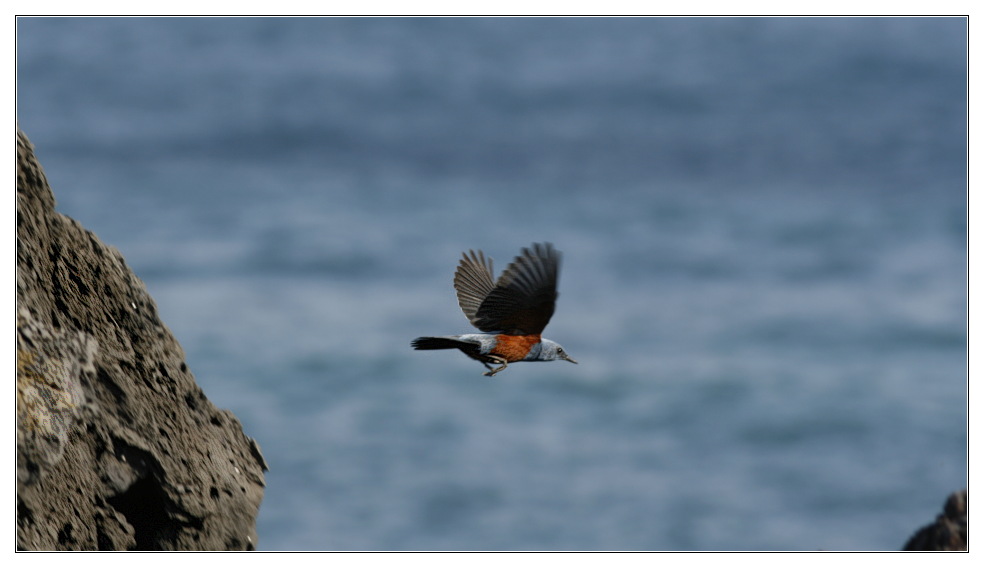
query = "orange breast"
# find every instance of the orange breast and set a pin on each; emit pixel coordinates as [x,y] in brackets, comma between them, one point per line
[514,347]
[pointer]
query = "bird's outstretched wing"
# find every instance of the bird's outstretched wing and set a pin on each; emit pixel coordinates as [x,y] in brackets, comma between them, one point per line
[523,299]
[473,282]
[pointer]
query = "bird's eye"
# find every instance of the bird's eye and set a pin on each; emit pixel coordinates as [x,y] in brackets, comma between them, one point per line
[560,351]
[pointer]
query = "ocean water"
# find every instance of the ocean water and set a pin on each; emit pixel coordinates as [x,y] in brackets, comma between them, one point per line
[764,231]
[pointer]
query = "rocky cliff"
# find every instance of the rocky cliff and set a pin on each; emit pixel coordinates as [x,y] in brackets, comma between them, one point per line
[117,447]
[948,531]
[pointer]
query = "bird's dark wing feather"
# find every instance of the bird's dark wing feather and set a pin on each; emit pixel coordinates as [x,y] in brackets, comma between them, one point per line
[524,297]
[473,282]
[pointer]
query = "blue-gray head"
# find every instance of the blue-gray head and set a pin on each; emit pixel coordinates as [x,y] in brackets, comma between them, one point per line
[548,350]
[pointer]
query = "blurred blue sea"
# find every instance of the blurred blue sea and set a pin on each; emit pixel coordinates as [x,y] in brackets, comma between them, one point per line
[764,280]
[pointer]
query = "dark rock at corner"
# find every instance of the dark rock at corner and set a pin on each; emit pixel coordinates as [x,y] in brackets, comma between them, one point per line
[948,532]
[117,446]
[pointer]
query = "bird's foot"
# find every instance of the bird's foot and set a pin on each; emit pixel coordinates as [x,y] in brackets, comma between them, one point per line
[491,373]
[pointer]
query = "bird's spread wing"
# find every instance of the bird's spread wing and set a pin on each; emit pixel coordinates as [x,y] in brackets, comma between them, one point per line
[523,299]
[473,282]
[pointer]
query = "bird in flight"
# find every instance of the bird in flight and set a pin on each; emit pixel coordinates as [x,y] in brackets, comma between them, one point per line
[510,312]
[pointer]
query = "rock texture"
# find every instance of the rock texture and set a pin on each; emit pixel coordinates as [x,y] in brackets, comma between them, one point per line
[949,532]
[117,447]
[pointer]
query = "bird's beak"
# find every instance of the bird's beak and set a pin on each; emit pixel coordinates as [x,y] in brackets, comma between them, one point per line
[566,358]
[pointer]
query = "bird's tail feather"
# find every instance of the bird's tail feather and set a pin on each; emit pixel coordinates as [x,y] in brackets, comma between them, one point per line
[426,343]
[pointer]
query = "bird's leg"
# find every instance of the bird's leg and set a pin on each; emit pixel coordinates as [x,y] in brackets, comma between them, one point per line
[497,360]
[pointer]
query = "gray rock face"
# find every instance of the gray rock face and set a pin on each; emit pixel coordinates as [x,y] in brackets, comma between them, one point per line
[117,447]
[948,532]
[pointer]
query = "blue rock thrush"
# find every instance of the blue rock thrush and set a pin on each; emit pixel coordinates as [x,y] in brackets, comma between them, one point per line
[511,312]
